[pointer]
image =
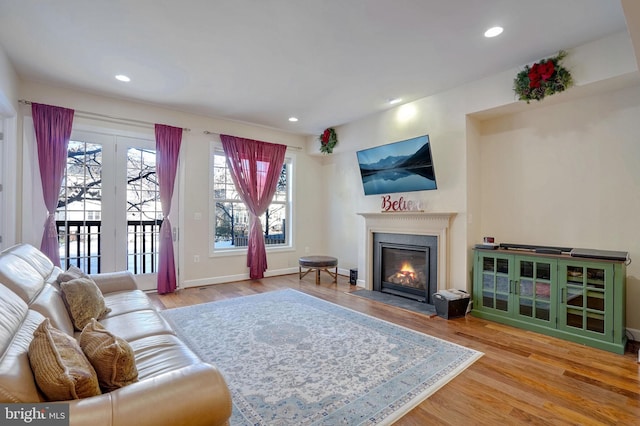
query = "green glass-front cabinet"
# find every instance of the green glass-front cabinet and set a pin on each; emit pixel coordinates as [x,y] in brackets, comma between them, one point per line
[581,300]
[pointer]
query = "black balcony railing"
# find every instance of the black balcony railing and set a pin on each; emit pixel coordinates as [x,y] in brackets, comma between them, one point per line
[80,242]
[243,241]
[142,245]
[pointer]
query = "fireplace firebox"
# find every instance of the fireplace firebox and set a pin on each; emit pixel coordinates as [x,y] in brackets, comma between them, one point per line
[405,265]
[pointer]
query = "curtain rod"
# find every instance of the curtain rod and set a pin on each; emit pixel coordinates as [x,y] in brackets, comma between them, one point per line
[109,118]
[206,132]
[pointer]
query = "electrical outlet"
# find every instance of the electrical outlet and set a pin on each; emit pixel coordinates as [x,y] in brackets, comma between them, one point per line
[196,258]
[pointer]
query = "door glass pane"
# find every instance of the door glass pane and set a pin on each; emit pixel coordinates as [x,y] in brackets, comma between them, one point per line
[543,271]
[574,274]
[526,269]
[543,291]
[488,264]
[526,307]
[595,322]
[595,277]
[487,299]
[526,288]
[502,266]
[542,310]
[574,296]
[502,302]
[595,300]
[488,282]
[502,284]
[574,318]
[144,211]
[78,215]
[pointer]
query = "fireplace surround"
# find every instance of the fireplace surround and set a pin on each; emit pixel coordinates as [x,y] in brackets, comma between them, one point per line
[409,223]
[405,265]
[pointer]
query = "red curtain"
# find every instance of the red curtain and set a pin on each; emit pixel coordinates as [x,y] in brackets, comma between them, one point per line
[255,168]
[168,141]
[53,130]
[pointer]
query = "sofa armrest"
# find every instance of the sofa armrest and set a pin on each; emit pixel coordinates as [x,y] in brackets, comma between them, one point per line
[191,396]
[110,282]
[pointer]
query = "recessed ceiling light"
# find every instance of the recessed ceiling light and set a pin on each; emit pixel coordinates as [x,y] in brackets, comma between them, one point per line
[122,77]
[394,101]
[293,119]
[493,32]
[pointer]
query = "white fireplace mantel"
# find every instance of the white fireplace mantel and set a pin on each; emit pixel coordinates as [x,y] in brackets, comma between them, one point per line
[414,223]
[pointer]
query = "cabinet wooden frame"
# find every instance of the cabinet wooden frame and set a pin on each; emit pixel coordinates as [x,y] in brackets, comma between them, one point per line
[576,299]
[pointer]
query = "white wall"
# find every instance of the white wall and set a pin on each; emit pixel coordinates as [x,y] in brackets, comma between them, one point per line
[8,86]
[9,156]
[454,122]
[567,175]
[328,190]
[308,197]
[433,116]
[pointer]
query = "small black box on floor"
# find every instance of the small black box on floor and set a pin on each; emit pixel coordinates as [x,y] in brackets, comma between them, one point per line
[451,308]
[353,276]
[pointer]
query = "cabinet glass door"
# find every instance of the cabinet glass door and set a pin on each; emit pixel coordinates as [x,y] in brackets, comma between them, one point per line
[496,282]
[534,298]
[585,299]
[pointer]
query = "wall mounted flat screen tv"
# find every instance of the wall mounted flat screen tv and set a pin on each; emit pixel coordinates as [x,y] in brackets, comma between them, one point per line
[398,167]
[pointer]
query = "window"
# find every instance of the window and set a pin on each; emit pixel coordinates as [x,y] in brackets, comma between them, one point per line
[231,217]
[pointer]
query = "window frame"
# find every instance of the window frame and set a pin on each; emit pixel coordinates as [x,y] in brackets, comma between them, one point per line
[290,160]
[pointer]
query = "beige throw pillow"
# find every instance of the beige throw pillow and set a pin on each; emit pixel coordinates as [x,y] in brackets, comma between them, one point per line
[84,301]
[111,356]
[59,366]
[71,273]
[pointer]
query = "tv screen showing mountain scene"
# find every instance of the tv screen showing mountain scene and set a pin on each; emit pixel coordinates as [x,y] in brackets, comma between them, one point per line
[403,166]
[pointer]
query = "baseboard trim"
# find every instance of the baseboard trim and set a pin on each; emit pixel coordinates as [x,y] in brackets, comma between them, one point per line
[242,277]
[633,334]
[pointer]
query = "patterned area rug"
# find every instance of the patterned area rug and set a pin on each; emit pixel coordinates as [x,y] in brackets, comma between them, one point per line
[293,359]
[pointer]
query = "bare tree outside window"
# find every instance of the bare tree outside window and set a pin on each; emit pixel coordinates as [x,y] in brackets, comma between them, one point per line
[144,211]
[232,216]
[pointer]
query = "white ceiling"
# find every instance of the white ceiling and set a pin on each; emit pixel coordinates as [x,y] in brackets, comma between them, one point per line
[327,62]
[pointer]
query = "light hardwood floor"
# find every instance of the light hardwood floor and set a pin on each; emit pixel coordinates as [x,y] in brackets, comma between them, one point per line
[523,377]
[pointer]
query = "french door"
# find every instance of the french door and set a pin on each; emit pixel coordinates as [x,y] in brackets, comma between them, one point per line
[109,211]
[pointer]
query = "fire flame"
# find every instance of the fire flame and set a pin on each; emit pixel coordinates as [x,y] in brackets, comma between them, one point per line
[407,268]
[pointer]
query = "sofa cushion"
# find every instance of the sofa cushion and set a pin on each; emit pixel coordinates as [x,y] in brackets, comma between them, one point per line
[59,366]
[84,301]
[136,325]
[50,304]
[111,356]
[20,277]
[122,302]
[155,355]
[17,324]
[34,257]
